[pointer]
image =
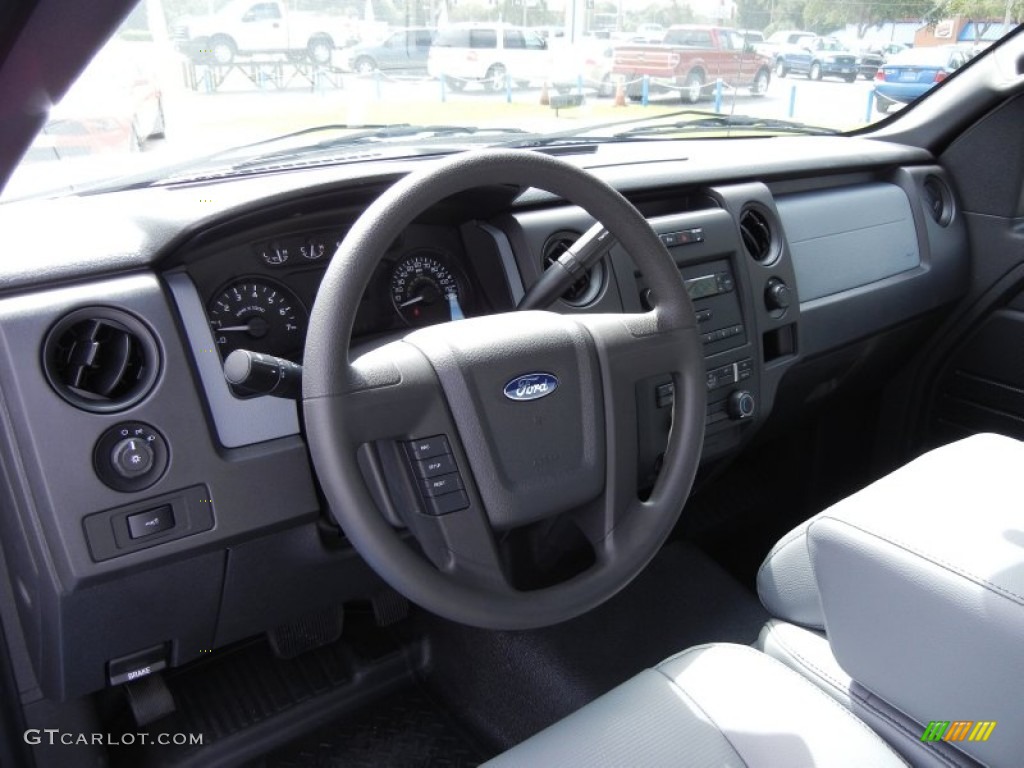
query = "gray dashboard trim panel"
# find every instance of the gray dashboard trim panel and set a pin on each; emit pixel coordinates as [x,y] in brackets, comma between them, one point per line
[238,422]
[508,261]
[845,238]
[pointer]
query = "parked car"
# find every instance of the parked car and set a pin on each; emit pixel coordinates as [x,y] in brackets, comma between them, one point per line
[817,57]
[868,62]
[403,49]
[782,40]
[491,54]
[648,33]
[245,27]
[116,105]
[690,60]
[587,64]
[909,74]
[752,37]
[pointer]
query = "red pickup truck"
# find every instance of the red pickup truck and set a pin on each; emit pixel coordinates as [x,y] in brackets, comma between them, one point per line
[689,60]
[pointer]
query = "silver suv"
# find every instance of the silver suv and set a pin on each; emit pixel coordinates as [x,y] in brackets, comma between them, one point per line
[495,55]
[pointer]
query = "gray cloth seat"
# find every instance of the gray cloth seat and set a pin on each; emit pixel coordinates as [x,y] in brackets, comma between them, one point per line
[712,705]
[900,604]
[905,602]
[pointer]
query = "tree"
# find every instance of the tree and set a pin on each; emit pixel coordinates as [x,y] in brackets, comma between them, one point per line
[982,11]
[828,15]
[753,14]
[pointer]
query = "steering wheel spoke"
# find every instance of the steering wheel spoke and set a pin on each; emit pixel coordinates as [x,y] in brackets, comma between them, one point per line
[634,351]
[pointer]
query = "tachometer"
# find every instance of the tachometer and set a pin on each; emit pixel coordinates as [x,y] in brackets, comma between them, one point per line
[424,290]
[260,315]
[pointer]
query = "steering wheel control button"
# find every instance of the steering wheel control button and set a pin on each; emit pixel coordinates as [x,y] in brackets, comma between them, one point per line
[442,484]
[449,502]
[665,394]
[130,456]
[428,447]
[150,522]
[438,465]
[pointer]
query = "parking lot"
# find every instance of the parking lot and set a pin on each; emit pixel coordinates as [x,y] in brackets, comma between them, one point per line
[226,113]
[207,111]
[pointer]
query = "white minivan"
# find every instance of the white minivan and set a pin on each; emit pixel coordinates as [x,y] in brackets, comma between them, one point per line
[492,54]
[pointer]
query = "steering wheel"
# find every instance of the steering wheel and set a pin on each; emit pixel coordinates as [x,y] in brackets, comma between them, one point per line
[521,449]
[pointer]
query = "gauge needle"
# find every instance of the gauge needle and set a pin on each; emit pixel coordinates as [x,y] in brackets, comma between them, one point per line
[454,308]
[413,300]
[234,328]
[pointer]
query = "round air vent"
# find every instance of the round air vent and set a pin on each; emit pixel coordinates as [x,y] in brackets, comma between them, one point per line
[585,290]
[938,200]
[758,235]
[101,359]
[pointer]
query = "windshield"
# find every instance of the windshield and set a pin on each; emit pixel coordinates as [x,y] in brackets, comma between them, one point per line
[184,84]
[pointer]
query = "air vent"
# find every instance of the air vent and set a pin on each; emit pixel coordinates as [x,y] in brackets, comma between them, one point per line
[758,236]
[938,200]
[100,359]
[585,290]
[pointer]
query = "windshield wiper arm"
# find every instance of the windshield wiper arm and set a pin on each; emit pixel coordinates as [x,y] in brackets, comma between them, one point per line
[582,135]
[369,135]
[717,122]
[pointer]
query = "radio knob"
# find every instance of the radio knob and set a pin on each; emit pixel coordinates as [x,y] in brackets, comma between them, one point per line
[741,405]
[777,295]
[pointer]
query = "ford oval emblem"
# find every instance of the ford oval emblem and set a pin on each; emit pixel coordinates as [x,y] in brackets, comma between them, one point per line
[531,386]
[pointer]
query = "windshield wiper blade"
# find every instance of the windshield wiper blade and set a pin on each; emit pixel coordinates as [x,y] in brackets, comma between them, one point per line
[717,122]
[581,135]
[370,135]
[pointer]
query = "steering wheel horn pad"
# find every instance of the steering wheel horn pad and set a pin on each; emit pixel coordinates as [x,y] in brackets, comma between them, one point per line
[565,441]
[530,458]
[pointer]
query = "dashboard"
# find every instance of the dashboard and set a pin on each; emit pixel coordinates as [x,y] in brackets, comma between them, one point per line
[805,268]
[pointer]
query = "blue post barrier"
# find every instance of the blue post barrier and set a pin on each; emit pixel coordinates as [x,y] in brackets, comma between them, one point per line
[508,89]
[376,82]
[444,95]
[207,80]
[871,99]
[645,90]
[718,95]
[579,84]
[792,100]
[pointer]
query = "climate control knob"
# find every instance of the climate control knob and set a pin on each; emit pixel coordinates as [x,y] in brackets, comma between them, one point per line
[741,405]
[777,295]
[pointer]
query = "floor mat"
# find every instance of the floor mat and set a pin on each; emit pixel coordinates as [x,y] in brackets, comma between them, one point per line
[508,685]
[406,730]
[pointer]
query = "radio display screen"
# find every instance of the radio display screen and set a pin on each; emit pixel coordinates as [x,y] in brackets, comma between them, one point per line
[701,287]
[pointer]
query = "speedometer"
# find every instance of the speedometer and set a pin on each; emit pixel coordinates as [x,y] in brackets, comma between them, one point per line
[424,290]
[259,315]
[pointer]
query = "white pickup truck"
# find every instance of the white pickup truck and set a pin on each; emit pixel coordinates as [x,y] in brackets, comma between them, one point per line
[250,27]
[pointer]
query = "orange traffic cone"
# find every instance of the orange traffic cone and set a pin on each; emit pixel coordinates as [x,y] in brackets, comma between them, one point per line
[620,93]
[545,99]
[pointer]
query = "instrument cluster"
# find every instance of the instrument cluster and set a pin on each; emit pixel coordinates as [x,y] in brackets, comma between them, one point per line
[259,295]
